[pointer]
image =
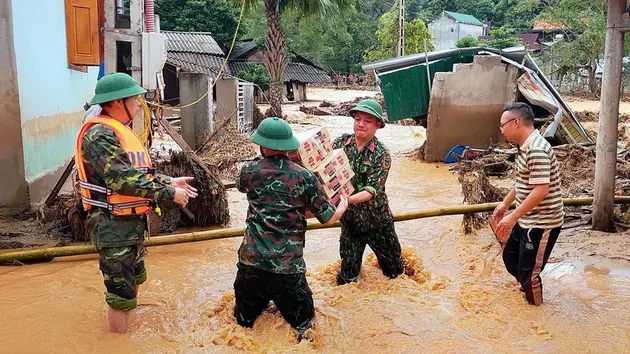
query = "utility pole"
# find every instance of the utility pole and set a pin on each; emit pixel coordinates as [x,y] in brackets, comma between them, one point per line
[400,50]
[606,160]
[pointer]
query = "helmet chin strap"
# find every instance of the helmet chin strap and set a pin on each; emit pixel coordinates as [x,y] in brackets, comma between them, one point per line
[129,118]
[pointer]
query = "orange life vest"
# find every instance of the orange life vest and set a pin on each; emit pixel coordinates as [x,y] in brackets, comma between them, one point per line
[138,156]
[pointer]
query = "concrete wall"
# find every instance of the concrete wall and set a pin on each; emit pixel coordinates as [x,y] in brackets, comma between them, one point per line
[197,122]
[469,30]
[465,106]
[132,35]
[226,100]
[14,190]
[51,95]
[445,32]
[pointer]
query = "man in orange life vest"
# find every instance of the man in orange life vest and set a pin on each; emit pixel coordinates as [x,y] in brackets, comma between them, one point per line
[118,189]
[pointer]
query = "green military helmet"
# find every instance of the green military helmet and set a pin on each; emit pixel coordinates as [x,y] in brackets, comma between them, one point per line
[371,107]
[115,86]
[276,134]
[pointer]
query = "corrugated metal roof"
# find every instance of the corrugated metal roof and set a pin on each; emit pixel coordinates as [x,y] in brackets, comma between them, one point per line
[406,92]
[198,63]
[192,42]
[463,18]
[515,53]
[293,72]
[305,73]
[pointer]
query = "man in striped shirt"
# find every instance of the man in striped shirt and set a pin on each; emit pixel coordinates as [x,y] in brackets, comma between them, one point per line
[535,223]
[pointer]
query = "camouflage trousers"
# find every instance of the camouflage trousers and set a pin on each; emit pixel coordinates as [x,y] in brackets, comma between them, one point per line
[123,269]
[254,288]
[383,241]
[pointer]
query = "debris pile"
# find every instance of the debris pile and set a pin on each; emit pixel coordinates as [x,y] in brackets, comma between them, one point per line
[226,150]
[477,189]
[343,108]
[577,169]
[593,116]
[316,111]
[210,207]
[23,228]
[258,116]
[577,173]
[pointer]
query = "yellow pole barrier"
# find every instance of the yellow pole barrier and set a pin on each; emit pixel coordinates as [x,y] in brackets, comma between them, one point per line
[45,254]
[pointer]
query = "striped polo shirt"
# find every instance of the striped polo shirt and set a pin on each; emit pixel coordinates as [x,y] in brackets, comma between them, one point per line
[537,164]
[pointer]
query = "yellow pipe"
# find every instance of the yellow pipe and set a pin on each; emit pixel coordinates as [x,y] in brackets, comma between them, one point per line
[45,254]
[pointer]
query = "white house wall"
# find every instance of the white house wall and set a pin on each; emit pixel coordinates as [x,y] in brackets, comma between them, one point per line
[445,32]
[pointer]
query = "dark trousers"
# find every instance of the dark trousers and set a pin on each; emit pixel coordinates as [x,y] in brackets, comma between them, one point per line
[383,241]
[525,256]
[254,288]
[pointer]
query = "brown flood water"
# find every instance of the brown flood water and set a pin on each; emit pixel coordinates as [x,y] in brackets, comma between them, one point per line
[460,300]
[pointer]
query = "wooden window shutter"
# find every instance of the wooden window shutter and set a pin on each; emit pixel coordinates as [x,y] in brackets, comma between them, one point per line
[83,32]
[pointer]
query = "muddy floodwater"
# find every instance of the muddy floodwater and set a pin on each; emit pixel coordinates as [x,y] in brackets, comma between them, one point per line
[456,298]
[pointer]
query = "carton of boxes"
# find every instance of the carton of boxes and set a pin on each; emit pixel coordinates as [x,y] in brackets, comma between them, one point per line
[315,146]
[331,167]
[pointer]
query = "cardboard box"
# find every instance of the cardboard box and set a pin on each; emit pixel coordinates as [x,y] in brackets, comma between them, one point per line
[347,189]
[314,140]
[309,162]
[315,147]
[336,184]
[335,163]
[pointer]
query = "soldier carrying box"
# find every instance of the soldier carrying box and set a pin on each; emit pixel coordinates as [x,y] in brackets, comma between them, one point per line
[368,220]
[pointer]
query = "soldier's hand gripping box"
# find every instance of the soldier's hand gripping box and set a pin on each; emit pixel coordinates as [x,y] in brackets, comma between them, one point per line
[345,190]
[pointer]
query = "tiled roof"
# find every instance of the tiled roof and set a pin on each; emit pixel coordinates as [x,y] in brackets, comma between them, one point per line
[293,72]
[246,46]
[195,52]
[192,42]
[305,73]
[463,18]
[198,63]
[547,25]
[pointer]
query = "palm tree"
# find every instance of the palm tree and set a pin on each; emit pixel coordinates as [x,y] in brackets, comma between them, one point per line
[275,53]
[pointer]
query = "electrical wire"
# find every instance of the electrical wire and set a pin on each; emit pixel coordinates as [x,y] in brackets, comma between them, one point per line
[238,24]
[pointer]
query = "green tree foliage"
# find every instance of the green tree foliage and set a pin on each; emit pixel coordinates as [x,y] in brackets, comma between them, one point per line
[336,43]
[584,24]
[275,54]
[387,35]
[482,9]
[517,15]
[256,73]
[215,16]
[501,39]
[466,42]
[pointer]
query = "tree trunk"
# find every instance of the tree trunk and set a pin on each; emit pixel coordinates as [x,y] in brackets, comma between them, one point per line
[275,57]
[606,155]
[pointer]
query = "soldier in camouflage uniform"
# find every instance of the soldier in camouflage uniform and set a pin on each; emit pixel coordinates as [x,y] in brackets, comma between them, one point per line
[369,220]
[119,239]
[271,265]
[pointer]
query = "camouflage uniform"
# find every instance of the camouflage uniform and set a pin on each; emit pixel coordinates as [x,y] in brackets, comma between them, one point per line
[368,223]
[119,239]
[271,265]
